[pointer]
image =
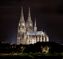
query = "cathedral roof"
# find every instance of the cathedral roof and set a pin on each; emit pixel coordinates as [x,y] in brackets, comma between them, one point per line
[36,33]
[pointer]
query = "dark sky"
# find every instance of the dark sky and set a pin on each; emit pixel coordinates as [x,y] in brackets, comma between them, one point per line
[49,15]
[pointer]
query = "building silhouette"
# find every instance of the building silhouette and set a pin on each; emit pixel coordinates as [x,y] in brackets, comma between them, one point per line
[27,32]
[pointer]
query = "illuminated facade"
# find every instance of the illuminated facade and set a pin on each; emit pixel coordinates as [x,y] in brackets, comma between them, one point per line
[27,33]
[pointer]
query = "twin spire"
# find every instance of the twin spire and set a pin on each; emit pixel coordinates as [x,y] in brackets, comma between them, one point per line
[22,16]
[29,18]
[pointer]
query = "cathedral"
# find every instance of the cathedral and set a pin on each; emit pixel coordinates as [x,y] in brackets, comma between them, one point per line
[27,32]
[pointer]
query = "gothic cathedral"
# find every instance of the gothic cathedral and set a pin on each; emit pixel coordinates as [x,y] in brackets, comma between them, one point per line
[27,32]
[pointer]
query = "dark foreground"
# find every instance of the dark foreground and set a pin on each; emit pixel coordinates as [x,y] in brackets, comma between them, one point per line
[32,51]
[36,57]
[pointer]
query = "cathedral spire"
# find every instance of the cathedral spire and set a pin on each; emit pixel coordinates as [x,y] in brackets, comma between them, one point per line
[29,16]
[22,15]
[29,23]
[35,27]
[29,13]
[35,22]
[21,25]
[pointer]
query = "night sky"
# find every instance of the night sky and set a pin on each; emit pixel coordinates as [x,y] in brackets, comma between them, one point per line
[48,13]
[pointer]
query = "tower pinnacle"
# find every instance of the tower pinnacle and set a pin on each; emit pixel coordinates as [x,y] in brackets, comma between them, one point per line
[22,15]
[29,12]
[35,27]
[35,22]
[29,23]
[29,16]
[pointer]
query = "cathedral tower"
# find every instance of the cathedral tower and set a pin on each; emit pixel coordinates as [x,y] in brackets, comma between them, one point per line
[22,22]
[21,27]
[29,23]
